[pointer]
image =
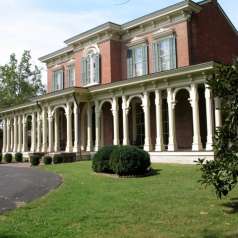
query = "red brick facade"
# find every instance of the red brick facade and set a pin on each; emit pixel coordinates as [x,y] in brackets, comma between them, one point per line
[199,39]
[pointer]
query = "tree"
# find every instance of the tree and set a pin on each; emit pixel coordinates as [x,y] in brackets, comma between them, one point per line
[19,81]
[222,173]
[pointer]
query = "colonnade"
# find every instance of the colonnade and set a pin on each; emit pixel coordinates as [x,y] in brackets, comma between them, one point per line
[45,123]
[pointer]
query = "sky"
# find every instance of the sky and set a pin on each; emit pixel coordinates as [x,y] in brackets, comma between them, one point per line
[42,26]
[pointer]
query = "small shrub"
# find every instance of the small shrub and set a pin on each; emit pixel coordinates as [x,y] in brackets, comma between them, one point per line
[8,158]
[35,159]
[69,157]
[18,157]
[129,160]
[58,159]
[47,160]
[101,160]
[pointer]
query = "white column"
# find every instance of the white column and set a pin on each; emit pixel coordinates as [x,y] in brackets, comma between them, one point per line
[24,134]
[19,146]
[8,136]
[172,146]
[15,134]
[115,121]
[159,121]
[209,115]
[12,135]
[4,135]
[33,132]
[69,127]
[56,130]
[38,149]
[50,130]
[197,145]
[146,108]
[218,117]
[89,127]
[97,126]
[76,128]
[44,130]
[125,111]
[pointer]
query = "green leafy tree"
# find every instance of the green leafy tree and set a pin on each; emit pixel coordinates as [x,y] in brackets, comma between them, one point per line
[19,81]
[222,173]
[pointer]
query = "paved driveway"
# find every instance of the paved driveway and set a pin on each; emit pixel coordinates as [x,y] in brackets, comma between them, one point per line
[19,185]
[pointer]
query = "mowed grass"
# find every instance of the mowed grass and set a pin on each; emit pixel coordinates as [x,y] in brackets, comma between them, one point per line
[169,204]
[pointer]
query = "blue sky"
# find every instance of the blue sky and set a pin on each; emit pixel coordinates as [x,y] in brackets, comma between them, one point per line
[42,25]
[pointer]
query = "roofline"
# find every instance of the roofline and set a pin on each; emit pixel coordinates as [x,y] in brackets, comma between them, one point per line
[116,27]
[56,53]
[95,30]
[162,12]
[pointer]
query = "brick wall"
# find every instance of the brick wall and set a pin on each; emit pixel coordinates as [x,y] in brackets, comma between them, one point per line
[212,38]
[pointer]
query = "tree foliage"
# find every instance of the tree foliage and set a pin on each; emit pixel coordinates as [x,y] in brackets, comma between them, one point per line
[19,81]
[222,173]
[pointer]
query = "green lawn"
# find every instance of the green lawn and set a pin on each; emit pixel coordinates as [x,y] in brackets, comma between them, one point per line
[169,204]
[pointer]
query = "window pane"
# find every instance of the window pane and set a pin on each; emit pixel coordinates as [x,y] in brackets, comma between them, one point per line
[71,76]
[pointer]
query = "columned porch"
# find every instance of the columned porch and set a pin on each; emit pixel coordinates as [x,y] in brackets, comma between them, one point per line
[173,121]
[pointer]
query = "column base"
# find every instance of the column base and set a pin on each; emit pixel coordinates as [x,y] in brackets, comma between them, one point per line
[76,149]
[171,147]
[148,147]
[209,146]
[89,148]
[125,142]
[159,147]
[96,148]
[196,147]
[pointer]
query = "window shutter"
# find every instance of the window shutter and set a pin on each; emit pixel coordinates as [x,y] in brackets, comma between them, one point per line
[97,68]
[129,64]
[173,61]
[83,68]
[145,60]
[53,82]
[61,79]
[156,64]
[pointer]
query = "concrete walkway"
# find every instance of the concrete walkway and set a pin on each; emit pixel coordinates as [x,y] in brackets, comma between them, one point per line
[20,184]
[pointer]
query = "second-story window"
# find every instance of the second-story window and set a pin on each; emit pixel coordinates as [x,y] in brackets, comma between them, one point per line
[137,63]
[90,69]
[164,54]
[71,75]
[58,80]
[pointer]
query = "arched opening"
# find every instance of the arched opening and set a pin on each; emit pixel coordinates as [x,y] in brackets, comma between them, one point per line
[60,129]
[106,124]
[183,120]
[136,123]
[28,132]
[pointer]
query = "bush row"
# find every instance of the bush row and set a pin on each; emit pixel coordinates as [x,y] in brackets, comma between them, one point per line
[8,157]
[121,160]
[56,159]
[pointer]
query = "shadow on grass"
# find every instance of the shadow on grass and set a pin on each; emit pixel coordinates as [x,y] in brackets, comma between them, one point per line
[214,234]
[232,206]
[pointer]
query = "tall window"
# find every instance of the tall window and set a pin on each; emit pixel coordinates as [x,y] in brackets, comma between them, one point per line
[71,75]
[164,54]
[137,63]
[90,69]
[58,80]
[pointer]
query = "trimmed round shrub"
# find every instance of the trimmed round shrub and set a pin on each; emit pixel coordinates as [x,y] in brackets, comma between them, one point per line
[35,160]
[129,161]
[100,162]
[47,160]
[8,158]
[18,157]
[58,159]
